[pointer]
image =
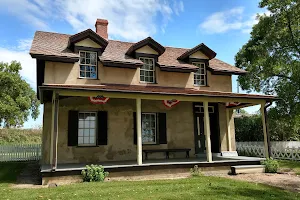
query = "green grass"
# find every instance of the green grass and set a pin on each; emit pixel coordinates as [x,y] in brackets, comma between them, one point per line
[290,165]
[20,136]
[190,188]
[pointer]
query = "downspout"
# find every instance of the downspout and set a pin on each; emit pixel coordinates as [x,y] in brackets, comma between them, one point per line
[267,127]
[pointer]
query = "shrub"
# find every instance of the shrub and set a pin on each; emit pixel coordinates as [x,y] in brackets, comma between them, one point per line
[94,173]
[195,171]
[271,165]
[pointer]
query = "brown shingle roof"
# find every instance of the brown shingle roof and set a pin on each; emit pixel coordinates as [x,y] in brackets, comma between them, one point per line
[155,90]
[56,44]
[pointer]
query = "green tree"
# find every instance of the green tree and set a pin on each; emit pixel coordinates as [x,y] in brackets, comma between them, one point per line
[272,58]
[17,99]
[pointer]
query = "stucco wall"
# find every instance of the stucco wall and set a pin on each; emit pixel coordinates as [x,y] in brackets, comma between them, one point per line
[180,130]
[68,73]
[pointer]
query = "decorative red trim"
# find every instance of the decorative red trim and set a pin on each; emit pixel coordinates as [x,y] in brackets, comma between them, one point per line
[229,104]
[170,103]
[98,99]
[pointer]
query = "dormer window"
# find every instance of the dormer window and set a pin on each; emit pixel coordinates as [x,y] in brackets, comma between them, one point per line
[200,74]
[147,71]
[88,64]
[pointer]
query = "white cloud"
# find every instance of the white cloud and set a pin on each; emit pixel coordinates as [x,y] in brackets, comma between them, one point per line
[35,13]
[178,7]
[128,19]
[233,19]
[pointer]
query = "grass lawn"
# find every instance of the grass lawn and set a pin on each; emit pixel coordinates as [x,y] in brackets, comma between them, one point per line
[292,165]
[190,188]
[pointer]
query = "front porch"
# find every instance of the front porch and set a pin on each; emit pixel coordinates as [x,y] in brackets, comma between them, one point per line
[121,145]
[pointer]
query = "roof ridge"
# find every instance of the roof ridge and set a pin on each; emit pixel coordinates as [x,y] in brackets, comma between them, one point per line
[53,32]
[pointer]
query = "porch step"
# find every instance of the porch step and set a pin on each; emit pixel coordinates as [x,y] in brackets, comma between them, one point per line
[229,153]
[247,169]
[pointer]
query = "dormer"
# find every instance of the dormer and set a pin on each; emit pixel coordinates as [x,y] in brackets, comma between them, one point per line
[199,56]
[87,40]
[147,51]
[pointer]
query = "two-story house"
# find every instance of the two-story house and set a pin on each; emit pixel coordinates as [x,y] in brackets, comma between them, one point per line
[110,101]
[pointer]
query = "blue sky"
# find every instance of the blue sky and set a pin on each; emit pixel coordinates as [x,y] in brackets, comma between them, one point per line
[223,25]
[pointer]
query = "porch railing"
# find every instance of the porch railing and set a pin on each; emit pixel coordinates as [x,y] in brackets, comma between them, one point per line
[20,152]
[256,149]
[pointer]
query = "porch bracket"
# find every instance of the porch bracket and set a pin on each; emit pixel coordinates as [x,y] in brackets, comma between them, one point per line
[228,130]
[54,131]
[207,132]
[262,110]
[139,131]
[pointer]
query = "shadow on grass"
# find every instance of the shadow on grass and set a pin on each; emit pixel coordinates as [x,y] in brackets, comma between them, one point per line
[9,171]
[260,192]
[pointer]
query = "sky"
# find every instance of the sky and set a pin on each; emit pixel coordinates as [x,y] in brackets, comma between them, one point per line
[223,25]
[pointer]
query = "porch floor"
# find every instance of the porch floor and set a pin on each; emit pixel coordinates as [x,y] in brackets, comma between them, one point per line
[156,162]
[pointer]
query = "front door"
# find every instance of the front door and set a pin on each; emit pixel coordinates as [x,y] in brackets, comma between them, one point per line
[199,128]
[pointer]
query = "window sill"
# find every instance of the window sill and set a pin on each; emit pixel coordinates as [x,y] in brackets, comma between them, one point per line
[201,85]
[88,78]
[89,146]
[142,82]
[148,144]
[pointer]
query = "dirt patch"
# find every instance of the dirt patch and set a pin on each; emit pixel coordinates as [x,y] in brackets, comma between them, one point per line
[30,177]
[285,180]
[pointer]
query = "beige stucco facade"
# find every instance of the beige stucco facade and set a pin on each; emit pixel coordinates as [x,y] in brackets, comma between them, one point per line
[68,73]
[120,146]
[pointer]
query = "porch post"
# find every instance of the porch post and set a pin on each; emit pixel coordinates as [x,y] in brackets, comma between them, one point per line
[207,132]
[139,131]
[228,130]
[262,110]
[54,131]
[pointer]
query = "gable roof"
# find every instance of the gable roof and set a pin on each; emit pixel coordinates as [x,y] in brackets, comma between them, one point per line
[201,47]
[147,41]
[84,35]
[49,44]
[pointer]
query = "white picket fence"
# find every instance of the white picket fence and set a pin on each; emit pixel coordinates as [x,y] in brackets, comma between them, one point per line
[256,149]
[20,152]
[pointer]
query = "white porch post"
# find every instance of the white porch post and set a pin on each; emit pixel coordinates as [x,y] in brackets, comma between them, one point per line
[54,131]
[228,130]
[207,132]
[262,110]
[139,131]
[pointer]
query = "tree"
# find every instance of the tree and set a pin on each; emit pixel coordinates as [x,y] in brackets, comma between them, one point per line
[17,99]
[272,58]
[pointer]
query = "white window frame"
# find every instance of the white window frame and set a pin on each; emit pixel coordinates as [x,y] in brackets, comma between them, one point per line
[147,70]
[96,128]
[211,109]
[91,65]
[155,128]
[200,65]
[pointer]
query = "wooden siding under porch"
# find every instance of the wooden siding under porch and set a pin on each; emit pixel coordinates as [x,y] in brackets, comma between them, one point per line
[160,163]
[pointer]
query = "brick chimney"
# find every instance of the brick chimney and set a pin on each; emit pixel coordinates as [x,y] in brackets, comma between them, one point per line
[101,28]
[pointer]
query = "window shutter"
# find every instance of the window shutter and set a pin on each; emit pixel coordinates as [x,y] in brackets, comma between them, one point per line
[162,128]
[134,129]
[73,128]
[102,128]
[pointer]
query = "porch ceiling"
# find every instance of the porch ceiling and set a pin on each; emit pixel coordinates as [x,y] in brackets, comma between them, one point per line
[154,93]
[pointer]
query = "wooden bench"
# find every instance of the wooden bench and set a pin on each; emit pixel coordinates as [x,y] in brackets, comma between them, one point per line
[167,151]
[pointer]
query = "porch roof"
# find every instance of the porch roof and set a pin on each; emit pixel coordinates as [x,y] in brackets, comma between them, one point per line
[140,89]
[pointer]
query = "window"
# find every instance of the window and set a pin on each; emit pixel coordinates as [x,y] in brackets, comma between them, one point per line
[147,72]
[87,129]
[200,75]
[200,109]
[149,128]
[88,64]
